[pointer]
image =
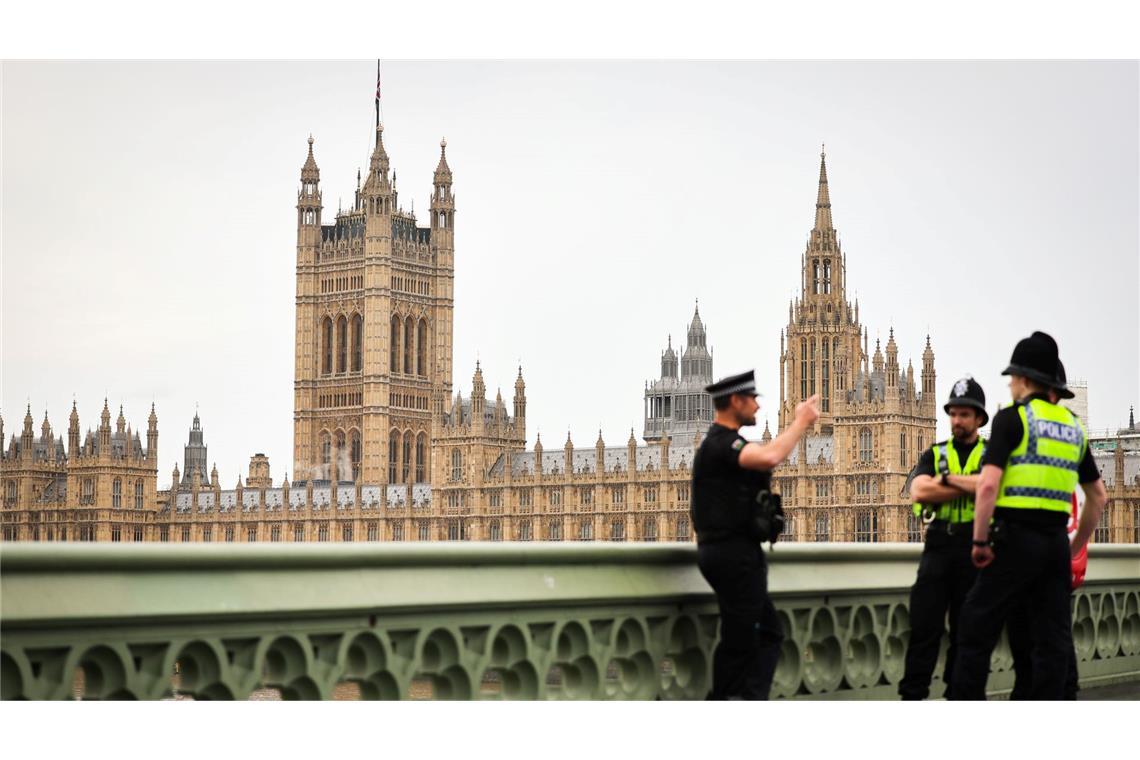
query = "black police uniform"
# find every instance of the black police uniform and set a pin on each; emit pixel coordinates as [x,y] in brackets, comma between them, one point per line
[733,564]
[945,572]
[945,576]
[1018,626]
[1031,565]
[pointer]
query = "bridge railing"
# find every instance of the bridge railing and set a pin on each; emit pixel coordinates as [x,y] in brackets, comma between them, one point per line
[575,620]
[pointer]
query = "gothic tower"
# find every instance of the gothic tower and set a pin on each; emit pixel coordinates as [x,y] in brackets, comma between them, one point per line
[822,352]
[374,328]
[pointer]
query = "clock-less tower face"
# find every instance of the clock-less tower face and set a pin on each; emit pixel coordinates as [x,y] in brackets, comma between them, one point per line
[373,331]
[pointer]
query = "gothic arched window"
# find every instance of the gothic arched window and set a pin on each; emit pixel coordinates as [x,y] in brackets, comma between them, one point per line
[827,276]
[341,344]
[866,454]
[456,464]
[409,344]
[138,495]
[326,455]
[394,344]
[393,453]
[803,369]
[357,342]
[406,461]
[327,348]
[826,378]
[811,376]
[117,493]
[354,453]
[421,348]
[421,458]
[815,276]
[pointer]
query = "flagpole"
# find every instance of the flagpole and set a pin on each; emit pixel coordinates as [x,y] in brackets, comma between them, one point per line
[377,92]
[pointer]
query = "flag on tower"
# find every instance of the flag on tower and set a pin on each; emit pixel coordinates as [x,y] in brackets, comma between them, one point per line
[377,92]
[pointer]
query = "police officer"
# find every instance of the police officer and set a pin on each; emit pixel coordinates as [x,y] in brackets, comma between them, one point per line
[1018,628]
[1037,453]
[728,472]
[943,488]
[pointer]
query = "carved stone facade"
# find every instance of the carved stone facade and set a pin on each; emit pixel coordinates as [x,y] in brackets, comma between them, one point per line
[373,330]
[103,489]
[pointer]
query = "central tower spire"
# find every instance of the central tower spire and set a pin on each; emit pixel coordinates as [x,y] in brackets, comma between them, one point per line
[823,198]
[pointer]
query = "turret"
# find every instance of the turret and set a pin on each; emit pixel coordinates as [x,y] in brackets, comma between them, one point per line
[892,361]
[214,477]
[631,451]
[520,401]
[478,396]
[669,361]
[568,451]
[309,210]
[152,436]
[175,478]
[600,453]
[877,363]
[696,362]
[121,422]
[442,201]
[72,433]
[105,429]
[27,436]
[928,372]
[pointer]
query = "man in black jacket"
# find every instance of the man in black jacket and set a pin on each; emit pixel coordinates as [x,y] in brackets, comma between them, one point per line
[728,472]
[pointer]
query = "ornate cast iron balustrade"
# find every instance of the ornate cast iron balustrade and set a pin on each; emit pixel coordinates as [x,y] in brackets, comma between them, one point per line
[475,621]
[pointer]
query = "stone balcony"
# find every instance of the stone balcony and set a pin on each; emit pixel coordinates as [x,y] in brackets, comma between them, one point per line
[476,621]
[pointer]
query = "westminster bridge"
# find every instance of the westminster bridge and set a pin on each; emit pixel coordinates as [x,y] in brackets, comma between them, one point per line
[478,621]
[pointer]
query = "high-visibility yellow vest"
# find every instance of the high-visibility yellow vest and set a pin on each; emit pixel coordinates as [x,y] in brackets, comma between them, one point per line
[1042,471]
[961,508]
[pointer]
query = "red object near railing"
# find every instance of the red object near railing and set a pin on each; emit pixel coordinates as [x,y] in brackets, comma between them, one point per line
[1080,562]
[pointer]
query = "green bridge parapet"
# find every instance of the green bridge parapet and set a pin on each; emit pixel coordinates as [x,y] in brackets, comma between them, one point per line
[477,621]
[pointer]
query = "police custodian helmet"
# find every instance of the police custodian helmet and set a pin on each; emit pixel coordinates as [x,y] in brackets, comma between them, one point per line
[967,392]
[1036,358]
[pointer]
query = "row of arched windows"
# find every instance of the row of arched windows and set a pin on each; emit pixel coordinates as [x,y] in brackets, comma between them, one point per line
[343,449]
[117,493]
[828,353]
[408,347]
[407,454]
[342,344]
[821,277]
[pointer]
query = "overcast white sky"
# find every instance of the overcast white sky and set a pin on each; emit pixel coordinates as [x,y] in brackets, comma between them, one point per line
[149,226]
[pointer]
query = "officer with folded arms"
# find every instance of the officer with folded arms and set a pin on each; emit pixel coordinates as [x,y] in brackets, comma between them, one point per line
[943,487]
[1037,454]
[728,474]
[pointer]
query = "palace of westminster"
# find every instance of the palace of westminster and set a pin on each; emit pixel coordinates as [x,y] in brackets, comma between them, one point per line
[383,450]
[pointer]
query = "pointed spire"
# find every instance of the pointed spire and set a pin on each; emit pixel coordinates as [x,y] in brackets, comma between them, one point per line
[601,444]
[310,171]
[632,440]
[152,419]
[823,197]
[378,163]
[1131,418]
[28,421]
[121,422]
[105,417]
[442,170]
[45,428]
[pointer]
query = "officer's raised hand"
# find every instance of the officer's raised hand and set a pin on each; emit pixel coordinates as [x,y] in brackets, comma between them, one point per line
[765,456]
[807,411]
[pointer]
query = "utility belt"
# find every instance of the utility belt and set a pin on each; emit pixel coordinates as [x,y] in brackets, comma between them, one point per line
[948,528]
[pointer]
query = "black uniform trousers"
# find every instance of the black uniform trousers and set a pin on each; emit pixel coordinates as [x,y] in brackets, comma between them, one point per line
[945,576]
[744,661]
[1031,567]
[1019,631]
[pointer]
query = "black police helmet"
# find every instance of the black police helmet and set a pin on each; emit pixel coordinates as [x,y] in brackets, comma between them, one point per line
[967,392]
[1036,358]
[1062,386]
